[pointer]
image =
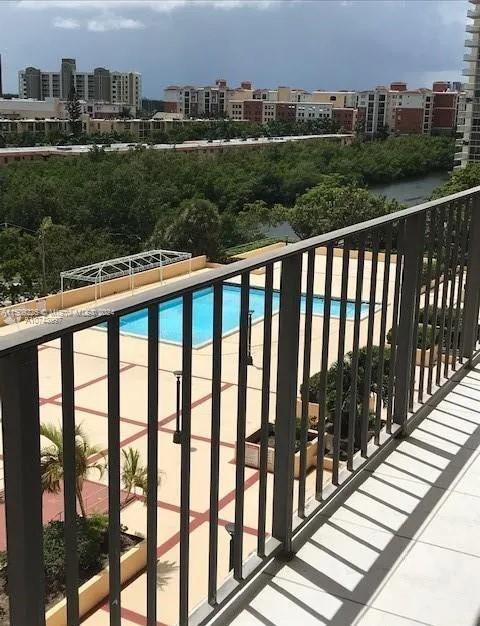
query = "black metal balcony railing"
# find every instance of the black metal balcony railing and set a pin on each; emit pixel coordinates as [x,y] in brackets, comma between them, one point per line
[430,258]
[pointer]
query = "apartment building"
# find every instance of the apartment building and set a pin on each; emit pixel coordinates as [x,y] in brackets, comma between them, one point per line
[446,100]
[191,101]
[468,147]
[404,111]
[346,118]
[263,111]
[100,84]
[338,99]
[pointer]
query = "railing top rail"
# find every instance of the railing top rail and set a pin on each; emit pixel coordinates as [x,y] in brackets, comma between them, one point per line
[76,321]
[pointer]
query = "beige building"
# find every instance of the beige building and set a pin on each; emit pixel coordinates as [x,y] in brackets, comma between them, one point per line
[19,108]
[338,99]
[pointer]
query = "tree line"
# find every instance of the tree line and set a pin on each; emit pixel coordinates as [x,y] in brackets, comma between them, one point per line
[101,205]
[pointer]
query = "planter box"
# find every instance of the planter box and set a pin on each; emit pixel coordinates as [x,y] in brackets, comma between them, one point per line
[252,452]
[314,408]
[95,590]
[418,357]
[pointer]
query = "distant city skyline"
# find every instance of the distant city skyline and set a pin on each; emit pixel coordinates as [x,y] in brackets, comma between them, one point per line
[314,45]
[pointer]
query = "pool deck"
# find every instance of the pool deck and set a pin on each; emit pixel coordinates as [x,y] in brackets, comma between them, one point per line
[91,411]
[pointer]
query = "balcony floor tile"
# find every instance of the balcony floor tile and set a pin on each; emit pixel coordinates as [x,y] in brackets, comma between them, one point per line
[402,549]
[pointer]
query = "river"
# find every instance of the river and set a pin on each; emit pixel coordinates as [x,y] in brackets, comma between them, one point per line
[407,192]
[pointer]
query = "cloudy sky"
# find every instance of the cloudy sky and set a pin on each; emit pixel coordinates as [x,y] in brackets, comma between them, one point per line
[305,43]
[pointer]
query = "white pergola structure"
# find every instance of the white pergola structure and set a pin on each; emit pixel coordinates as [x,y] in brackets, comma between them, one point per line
[130,265]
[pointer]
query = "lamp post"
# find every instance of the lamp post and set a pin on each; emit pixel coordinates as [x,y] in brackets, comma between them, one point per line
[230,528]
[177,435]
[250,357]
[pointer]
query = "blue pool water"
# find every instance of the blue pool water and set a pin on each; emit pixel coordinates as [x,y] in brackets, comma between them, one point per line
[171,314]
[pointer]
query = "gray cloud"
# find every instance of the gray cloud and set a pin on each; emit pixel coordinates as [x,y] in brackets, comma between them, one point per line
[313,44]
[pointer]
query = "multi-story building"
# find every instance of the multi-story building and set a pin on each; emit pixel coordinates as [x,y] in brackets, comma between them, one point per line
[372,109]
[468,147]
[338,99]
[404,111]
[101,84]
[210,101]
[346,118]
[262,111]
[445,108]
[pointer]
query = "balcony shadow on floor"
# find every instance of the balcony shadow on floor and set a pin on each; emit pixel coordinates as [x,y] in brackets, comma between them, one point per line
[338,589]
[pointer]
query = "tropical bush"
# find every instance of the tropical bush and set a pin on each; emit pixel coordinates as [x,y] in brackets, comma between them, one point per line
[331,392]
[431,336]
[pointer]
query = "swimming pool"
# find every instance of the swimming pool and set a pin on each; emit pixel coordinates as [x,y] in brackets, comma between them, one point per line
[170,314]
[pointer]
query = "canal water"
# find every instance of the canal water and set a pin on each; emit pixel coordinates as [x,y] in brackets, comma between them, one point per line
[407,192]
[411,192]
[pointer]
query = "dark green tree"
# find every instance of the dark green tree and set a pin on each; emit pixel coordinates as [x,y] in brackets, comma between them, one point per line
[195,229]
[74,111]
[329,207]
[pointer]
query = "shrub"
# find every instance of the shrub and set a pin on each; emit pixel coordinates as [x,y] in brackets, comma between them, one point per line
[91,536]
[331,392]
[331,396]
[431,337]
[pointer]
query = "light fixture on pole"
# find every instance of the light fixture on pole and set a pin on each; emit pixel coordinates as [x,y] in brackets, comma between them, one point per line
[177,435]
[249,356]
[230,528]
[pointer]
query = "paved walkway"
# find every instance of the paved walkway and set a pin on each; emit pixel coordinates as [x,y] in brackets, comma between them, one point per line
[403,549]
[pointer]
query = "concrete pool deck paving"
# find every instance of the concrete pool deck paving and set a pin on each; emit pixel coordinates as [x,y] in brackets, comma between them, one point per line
[91,410]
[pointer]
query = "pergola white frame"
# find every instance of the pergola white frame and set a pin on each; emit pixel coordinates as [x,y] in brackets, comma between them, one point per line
[130,265]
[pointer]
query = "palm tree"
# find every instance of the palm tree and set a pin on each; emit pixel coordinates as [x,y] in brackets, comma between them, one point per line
[134,474]
[51,461]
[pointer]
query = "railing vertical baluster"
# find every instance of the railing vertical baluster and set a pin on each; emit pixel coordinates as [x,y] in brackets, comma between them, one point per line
[383,331]
[403,363]
[215,441]
[69,479]
[307,349]
[185,458]
[322,394]
[23,495]
[395,311]
[337,424]
[446,282]
[472,285]
[426,303]
[287,369]
[453,287]
[439,246]
[241,425]
[152,463]
[113,342]
[413,369]
[461,274]
[368,357]
[265,409]
[352,418]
